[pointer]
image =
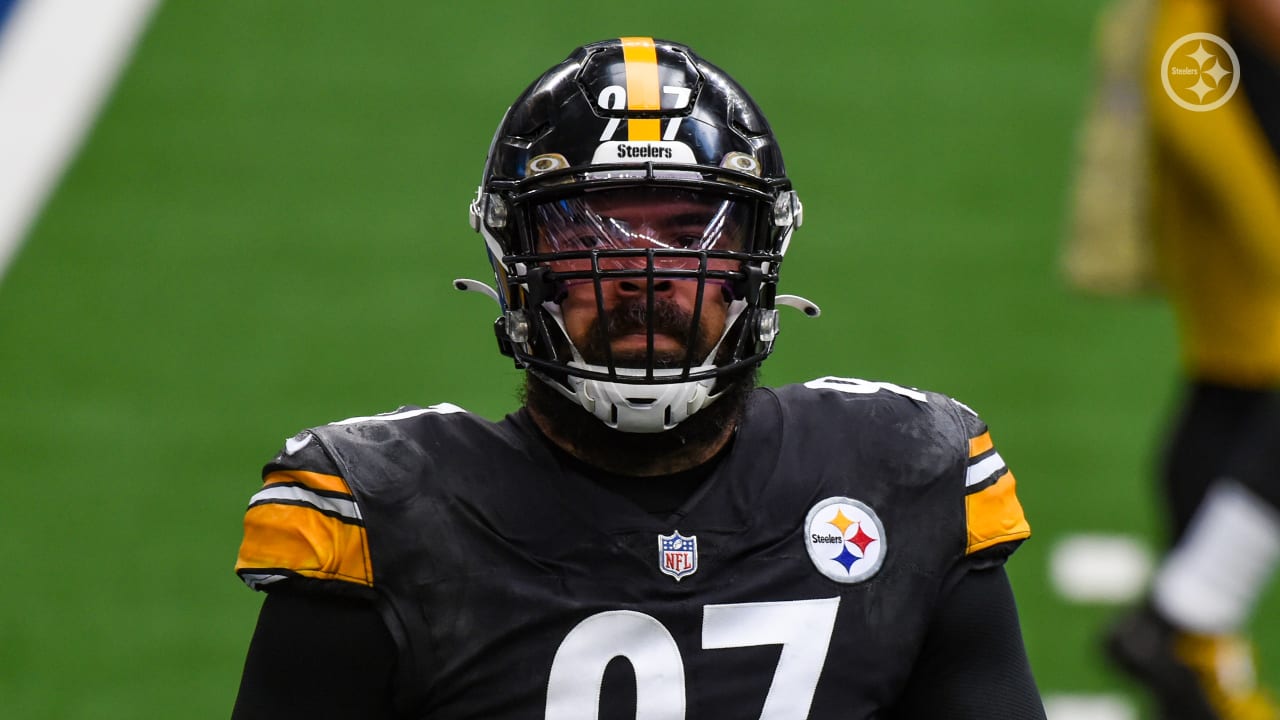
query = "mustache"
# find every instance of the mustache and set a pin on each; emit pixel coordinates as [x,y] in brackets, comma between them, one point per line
[632,317]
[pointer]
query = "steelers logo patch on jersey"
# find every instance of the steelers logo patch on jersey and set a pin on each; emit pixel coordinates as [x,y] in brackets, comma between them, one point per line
[845,538]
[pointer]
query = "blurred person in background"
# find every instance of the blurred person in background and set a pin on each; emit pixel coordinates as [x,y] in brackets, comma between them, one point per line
[1180,189]
[651,535]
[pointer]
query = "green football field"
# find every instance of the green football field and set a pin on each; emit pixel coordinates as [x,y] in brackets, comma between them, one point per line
[260,233]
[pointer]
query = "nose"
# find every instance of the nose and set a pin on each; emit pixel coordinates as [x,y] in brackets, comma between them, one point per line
[640,285]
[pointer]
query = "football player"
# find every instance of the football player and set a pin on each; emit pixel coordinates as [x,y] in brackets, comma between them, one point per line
[651,535]
[1210,198]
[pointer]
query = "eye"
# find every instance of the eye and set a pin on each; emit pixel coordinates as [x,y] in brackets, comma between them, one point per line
[688,241]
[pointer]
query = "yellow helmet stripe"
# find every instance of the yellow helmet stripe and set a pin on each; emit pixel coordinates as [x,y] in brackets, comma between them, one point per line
[643,93]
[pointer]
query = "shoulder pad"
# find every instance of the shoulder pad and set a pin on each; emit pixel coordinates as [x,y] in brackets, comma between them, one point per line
[403,413]
[301,452]
[994,518]
[915,436]
[304,523]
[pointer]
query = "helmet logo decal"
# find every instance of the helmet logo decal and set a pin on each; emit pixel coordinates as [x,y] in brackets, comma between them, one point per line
[845,539]
[617,151]
[677,554]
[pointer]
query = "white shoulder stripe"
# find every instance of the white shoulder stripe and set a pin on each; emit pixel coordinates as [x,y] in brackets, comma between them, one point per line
[979,471]
[344,508]
[440,409]
[257,580]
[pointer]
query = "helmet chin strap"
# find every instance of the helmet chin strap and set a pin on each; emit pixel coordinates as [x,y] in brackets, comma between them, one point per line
[632,408]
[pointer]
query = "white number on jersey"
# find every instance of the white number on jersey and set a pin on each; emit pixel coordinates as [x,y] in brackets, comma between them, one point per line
[802,627]
[854,386]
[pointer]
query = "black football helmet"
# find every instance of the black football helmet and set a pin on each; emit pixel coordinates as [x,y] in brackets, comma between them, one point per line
[637,122]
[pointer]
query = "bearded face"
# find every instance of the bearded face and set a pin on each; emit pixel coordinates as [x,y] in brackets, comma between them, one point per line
[616,319]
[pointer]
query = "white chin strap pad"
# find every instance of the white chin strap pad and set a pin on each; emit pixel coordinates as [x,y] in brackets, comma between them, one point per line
[641,408]
[635,408]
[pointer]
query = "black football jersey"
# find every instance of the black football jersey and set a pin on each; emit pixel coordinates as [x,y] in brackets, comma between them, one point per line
[797,582]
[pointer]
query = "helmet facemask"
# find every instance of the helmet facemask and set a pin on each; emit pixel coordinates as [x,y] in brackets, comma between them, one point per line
[635,298]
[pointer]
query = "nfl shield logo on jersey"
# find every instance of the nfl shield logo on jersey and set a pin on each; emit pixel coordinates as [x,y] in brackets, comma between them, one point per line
[677,554]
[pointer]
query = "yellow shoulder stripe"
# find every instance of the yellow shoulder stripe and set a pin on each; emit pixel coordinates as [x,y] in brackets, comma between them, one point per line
[304,541]
[313,480]
[980,444]
[995,516]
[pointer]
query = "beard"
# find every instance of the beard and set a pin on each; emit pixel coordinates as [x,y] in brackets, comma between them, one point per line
[631,317]
[625,453]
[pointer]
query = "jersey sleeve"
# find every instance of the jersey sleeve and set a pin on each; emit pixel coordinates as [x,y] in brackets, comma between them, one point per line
[994,520]
[304,526]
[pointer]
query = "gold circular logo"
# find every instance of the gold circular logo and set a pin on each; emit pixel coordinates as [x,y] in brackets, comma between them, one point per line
[1200,71]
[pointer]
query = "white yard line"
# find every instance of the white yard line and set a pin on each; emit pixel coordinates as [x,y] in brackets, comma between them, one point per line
[58,59]
[1101,569]
[1097,568]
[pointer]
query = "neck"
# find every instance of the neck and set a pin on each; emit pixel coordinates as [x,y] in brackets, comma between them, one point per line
[688,445]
